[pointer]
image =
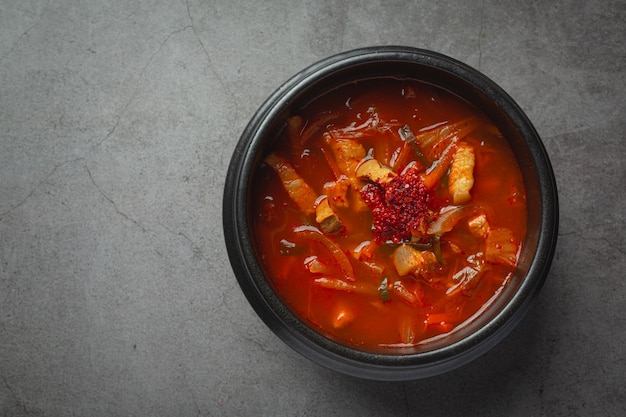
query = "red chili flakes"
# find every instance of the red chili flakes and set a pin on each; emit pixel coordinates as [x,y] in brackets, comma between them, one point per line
[398,207]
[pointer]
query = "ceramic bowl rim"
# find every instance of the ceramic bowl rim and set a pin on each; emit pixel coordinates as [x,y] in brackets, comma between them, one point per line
[277,316]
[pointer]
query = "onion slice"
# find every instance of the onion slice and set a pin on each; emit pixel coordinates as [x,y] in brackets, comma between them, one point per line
[340,257]
[449,217]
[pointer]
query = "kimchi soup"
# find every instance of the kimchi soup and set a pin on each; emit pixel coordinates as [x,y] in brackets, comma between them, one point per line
[388,213]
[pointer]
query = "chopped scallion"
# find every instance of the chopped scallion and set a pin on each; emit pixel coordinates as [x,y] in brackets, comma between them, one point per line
[383,290]
[408,136]
[436,241]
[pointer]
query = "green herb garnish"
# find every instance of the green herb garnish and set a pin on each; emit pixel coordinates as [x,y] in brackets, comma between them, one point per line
[383,290]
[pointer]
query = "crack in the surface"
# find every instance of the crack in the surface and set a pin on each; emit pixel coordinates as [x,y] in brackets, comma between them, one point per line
[21,202]
[17,42]
[137,82]
[18,403]
[582,236]
[196,250]
[110,200]
[194,400]
[109,133]
[36,187]
[481,33]
[206,52]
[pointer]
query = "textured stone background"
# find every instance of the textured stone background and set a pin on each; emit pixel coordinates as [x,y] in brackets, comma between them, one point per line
[117,121]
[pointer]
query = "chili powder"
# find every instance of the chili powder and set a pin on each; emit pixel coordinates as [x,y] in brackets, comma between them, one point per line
[399,206]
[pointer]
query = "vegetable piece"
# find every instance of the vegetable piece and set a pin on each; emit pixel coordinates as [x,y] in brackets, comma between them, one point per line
[364,250]
[309,130]
[294,127]
[436,240]
[461,177]
[337,191]
[375,171]
[315,266]
[383,290]
[326,217]
[341,285]
[501,247]
[448,218]
[374,267]
[479,226]
[454,247]
[299,191]
[372,126]
[335,284]
[407,332]
[331,162]
[422,245]
[408,260]
[414,243]
[340,257]
[466,278]
[432,136]
[405,294]
[347,154]
[440,166]
[408,136]
[401,157]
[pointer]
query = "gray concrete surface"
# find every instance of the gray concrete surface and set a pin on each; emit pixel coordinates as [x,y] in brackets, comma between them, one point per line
[117,121]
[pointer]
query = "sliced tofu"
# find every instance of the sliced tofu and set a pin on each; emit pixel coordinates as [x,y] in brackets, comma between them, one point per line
[479,226]
[408,260]
[375,171]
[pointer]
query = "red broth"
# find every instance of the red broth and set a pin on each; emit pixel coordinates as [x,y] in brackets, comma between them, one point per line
[389,256]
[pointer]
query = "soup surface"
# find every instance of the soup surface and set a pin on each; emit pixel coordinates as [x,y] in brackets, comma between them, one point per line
[390,212]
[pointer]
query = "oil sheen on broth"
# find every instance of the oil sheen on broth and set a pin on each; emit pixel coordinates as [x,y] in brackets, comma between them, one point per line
[388,213]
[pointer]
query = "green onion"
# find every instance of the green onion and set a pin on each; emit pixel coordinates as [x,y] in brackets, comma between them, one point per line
[436,241]
[383,290]
[408,136]
[421,246]
[413,243]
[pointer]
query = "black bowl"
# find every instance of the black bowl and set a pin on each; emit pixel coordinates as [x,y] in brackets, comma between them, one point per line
[538,249]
